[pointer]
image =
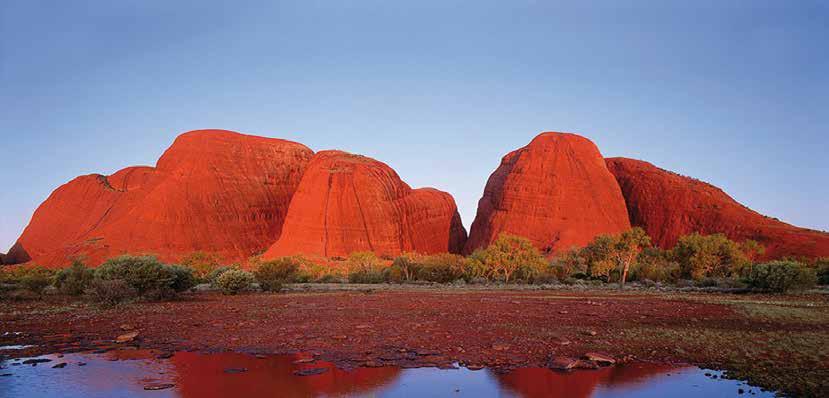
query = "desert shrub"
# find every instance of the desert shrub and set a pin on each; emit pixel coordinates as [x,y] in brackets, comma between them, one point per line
[822,268]
[441,268]
[655,265]
[701,256]
[214,275]
[403,268]
[111,292]
[184,278]
[147,276]
[74,280]
[272,274]
[512,258]
[569,263]
[365,267]
[201,263]
[781,276]
[235,281]
[476,268]
[32,279]
[311,271]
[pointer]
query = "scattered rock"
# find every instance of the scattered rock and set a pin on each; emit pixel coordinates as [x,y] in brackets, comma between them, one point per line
[563,363]
[158,386]
[310,372]
[304,360]
[474,367]
[126,327]
[59,366]
[35,361]
[165,355]
[500,347]
[590,332]
[599,358]
[126,338]
[5,375]
[235,370]
[81,363]
[339,337]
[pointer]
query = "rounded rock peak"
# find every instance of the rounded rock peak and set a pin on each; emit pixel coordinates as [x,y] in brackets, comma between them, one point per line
[201,146]
[556,138]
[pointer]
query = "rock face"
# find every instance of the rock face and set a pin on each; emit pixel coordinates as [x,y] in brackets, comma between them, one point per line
[213,190]
[668,206]
[556,191]
[347,203]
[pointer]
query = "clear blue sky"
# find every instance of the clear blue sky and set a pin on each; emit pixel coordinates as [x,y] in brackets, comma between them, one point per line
[735,93]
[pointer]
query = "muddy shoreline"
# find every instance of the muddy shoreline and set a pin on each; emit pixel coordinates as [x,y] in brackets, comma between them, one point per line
[777,342]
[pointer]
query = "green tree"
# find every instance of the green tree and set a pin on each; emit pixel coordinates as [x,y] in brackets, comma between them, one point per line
[510,255]
[627,248]
[700,256]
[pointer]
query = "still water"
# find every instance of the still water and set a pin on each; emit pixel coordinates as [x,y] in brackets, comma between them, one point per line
[129,373]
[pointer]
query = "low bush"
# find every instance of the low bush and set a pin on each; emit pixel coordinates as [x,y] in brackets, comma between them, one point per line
[404,268]
[700,256]
[184,278]
[34,279]
[74,280]
[147,276]
[822,268]
[271,275]
[213,276]
[781,276]
[235,281]
[201,263]
[365,267]
[512,259]
[111,292]
[440,268]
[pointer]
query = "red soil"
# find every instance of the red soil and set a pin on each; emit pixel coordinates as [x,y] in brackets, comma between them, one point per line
[668,206]
[499,329]
[347,203]
[556,191]
[212,190]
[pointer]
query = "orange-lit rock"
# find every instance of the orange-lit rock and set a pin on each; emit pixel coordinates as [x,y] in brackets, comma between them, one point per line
[668,206]
[212,190]
[347,203]
[556,191]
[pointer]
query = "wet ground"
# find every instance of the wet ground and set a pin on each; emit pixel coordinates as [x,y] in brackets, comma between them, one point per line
[777,342]
[141,373]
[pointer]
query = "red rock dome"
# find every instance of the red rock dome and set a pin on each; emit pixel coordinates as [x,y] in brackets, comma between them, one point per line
[668,206]
[213,190]
[347,203]
[556,191]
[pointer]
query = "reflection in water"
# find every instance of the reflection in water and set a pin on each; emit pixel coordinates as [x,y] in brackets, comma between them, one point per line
[205,376]
[125,373]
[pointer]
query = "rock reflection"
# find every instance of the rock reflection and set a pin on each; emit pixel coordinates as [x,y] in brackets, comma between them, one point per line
[538,382]
[206,376]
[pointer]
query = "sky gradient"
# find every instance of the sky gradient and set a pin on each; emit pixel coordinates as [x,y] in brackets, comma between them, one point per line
[735,93]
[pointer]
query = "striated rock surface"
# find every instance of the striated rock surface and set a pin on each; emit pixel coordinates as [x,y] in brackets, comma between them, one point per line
[213,190]
[556,191]
[668,205]
[347,203]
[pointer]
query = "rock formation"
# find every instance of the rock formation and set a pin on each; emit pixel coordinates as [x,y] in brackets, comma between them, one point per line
[347,203]
[214,191]
[556,191]
[668,205]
